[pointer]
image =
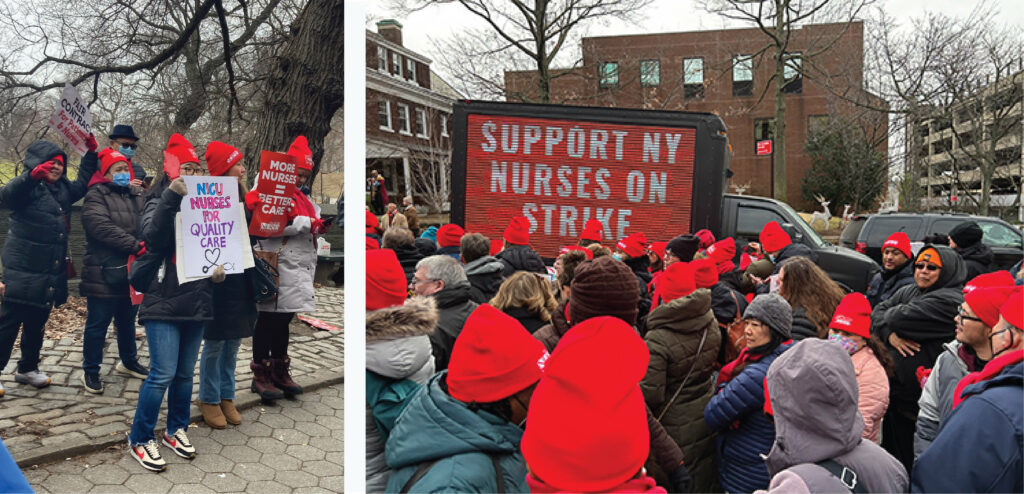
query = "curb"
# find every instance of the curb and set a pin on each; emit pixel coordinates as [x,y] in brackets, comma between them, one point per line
[244,399]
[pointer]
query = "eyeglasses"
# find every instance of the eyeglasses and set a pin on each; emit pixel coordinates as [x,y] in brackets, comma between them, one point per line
[963,315]
[415,282]
[191,170]
[926,267]
[127,145]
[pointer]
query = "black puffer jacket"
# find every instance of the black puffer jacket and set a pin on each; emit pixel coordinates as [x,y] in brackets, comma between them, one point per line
[531,321]
[925,317]
[639,265]
[886,283]
[454,307]
[234,310]
[520,258]
[110,217]
[408,256]
[167,300]
[34,254]
[485,277]
[978,259]
[802,327]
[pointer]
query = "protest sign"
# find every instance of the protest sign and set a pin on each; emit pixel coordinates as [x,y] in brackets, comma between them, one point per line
[211,232]
[71,119]
[275,184]
[179,248]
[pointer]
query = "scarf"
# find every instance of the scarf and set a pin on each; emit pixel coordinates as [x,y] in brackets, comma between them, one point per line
[994,367]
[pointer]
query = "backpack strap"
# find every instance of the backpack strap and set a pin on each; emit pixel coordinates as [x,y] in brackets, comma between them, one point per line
[845,475]
[417,475]
[498,472]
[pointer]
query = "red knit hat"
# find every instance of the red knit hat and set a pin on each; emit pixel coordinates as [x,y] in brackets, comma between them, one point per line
[108,157]
[518,231]
[658,248]
[899,241]
[569,248]
[1013,309]
[706,238]
[495,247]
[372,243]
[676,281]
[705,272]
[593,379]
[773,238]
[220,157]
[182,152]
[493,358]
[371,222]
[995,278]
[987,300]
[593,230]
[385,281]
[722,251]
[300,149]
[633,245]
[450,235]
[853,315]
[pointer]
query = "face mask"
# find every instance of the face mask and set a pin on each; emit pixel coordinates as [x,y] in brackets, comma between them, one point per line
[847,343]
[771,258]
[993,350]
[127,152]
[617,256]
[122,179]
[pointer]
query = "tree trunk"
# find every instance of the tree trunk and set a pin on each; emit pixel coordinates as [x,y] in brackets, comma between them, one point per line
[543,68]
[305,88]
[779,146]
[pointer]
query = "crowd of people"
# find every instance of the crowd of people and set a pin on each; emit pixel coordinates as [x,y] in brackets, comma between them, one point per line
[131,220]
[684,364]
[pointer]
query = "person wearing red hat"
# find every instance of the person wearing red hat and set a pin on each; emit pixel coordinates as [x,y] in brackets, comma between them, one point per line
[969,352]
[462,433]
[684,341]
[371,225]
[592,378]
[516,252]
[630,250]
[727,303]
[706,238]
[449,239]
[897,270]
[656,256]
[778,247]
[398,355]
[593,233]
[110,219]
[979,447]
[850,328]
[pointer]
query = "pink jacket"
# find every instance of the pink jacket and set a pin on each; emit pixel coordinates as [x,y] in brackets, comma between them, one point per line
[873,385]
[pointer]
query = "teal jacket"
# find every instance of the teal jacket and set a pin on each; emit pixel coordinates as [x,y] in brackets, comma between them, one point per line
[434,427]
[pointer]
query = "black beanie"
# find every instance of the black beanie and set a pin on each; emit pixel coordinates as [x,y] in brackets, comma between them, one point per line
[966,234]
[684,246]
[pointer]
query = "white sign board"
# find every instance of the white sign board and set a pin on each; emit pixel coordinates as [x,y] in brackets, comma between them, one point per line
[71,119]
[212,234]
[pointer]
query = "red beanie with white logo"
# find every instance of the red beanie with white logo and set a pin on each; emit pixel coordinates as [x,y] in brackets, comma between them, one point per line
[300,149]
[853,315]
[633,245]
[450,235]
[182,152]
[518,231]
[220,157]
[899,241]
[108,157]
[385,281]
[773,238]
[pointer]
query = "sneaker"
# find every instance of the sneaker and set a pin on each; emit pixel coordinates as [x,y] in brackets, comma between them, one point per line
[92,383]
[179,443]
[148,455]
[35,378]
[134,369]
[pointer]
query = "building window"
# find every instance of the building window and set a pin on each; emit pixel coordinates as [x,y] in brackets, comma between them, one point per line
[764,130]
[421,123]
[410,69]
[609,74]
[403,119]
[816,124]
[650,73]
[743,75]
[384,115]
[444,124]
[693,77]
[792,71]
[396,65]
[382,59]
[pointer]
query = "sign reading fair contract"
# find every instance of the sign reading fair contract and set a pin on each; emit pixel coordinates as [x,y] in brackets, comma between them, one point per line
[71,119]
[211,231]
[275,184]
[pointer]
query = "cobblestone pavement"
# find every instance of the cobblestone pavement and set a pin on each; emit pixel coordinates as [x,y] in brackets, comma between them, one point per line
[294,447]
[64,420]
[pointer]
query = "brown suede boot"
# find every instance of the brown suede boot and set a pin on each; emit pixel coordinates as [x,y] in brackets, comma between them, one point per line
[261,381]
[212,415]
[282,378]
[230,412]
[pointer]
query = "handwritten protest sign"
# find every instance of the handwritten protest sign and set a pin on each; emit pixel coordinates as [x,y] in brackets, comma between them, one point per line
[71,119]
[212,234]
[179,248]
[275,184]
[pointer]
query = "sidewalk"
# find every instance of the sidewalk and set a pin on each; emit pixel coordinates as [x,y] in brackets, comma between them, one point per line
[63,420]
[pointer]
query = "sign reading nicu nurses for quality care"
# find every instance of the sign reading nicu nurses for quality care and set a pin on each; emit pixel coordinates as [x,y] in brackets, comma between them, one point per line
[275,185]
[561,173]
[72,120]
[211,230]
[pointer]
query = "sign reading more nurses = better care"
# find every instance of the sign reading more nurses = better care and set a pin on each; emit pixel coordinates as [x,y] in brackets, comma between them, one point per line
[211,233]
[559,174]
[275,185]
[71,119]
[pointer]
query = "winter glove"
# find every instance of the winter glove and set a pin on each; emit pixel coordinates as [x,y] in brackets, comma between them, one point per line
[680,479]
[41,172]
[91,143]
[142,249]
[252,199]
[179,187]
[218,274]
[318,227]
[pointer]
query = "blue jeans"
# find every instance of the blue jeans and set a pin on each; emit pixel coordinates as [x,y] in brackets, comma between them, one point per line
[173,350]
[217,370]
[101,311]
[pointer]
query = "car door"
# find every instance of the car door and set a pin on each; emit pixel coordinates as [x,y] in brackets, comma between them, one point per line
[1005,242]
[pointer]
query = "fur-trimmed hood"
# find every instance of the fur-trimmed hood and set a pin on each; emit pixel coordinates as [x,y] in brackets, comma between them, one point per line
[397,341]
[417,317]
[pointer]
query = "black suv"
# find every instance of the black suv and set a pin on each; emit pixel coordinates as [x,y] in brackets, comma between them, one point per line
[868,233]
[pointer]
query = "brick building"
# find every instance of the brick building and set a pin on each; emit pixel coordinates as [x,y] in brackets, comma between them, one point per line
[407,119]
[726,72]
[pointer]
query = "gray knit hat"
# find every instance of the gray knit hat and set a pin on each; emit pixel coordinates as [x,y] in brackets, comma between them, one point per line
[772,310]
